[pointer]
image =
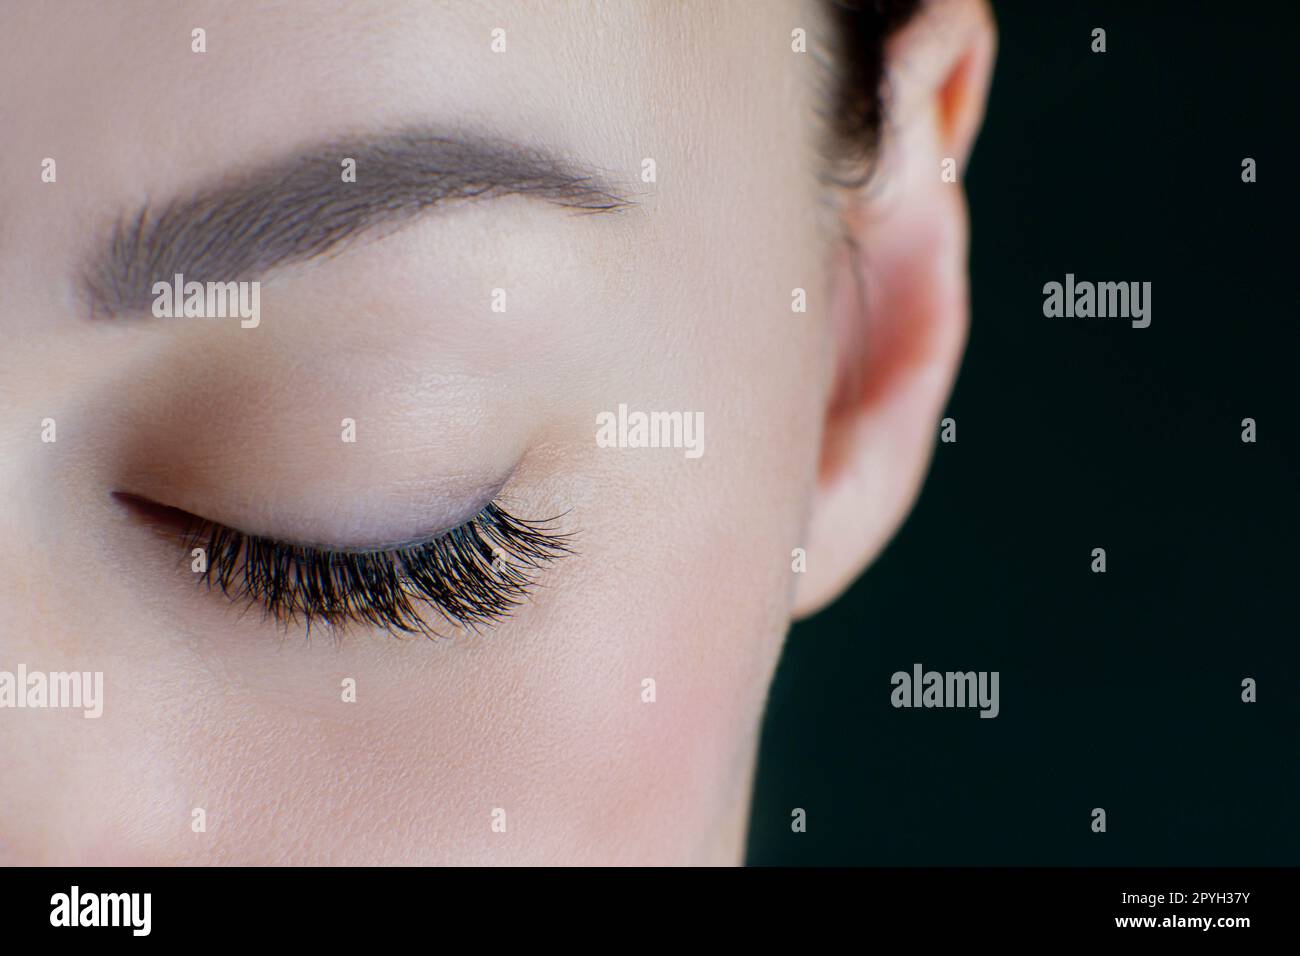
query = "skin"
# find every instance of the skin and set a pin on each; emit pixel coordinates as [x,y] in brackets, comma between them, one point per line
[818,426]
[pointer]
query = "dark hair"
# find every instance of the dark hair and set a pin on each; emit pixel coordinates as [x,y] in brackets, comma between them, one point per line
[859,30]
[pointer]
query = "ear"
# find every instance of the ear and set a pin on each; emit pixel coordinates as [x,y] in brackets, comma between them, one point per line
[898,305]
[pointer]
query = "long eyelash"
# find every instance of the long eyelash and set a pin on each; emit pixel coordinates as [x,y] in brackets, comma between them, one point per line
[473,575]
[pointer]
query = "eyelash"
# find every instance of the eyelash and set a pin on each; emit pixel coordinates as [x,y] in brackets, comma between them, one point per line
[453,573]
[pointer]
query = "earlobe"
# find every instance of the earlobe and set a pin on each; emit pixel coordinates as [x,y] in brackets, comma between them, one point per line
[898,305]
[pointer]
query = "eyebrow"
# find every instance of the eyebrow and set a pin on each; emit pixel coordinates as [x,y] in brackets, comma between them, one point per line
[300,208]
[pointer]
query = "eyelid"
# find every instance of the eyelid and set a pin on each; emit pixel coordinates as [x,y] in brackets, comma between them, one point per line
[472,575]
[382,499]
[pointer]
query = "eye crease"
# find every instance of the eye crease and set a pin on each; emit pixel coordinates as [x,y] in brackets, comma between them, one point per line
[471,576]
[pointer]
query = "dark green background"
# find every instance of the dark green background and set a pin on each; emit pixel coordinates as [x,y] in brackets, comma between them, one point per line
[1119,690]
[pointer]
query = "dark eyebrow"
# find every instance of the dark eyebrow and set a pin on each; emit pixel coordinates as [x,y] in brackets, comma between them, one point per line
[296,209]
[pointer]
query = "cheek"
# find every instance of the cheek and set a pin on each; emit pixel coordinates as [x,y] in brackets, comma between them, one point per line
[549,722]
[684,583]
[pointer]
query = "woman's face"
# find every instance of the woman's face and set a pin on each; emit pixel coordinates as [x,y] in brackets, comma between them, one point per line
[477,345]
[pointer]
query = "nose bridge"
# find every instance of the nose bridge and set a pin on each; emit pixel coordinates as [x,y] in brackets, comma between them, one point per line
[58,611]
[61,586]
[29,460]
[34,748]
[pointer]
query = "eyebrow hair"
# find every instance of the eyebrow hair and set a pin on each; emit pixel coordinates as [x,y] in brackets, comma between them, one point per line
[297,209]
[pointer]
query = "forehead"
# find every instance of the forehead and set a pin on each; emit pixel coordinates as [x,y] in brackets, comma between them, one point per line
[582,77]
[116,93]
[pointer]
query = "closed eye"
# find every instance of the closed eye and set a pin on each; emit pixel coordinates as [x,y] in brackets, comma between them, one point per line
[472,576]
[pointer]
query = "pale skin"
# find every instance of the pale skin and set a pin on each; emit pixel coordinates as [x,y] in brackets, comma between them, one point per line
[680,302]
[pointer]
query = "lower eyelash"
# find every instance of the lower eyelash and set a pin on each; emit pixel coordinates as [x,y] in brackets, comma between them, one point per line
[472,576]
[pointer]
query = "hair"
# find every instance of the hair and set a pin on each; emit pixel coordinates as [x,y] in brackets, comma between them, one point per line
[859,31]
